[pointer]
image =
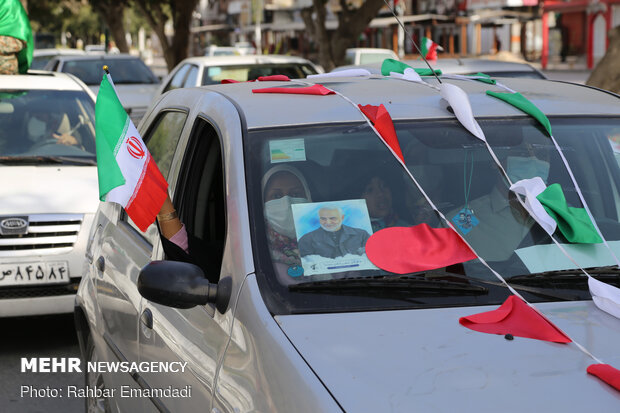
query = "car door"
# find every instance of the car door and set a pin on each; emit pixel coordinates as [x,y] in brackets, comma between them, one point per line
[124,251]
[189,341]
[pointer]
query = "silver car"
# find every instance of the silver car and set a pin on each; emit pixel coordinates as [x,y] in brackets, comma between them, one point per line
[266,318]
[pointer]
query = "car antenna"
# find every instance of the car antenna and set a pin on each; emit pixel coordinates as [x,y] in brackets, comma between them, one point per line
[412,41]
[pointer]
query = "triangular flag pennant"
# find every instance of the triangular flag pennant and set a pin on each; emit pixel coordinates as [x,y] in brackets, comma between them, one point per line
[482,77]
[392,65]
[319,90]
[605,296]
[382,122]
[403,250]
[408,74]
[274,78]
[573,223]
[520,102]
[458,100]
[515,317]
[342,73]
[127,173]
[607,373]
[429,48]
[530,189]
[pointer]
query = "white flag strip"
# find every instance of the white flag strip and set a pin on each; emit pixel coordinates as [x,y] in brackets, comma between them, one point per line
[408,74]
[605,296]
[458,100]
[342,73]
[530,189]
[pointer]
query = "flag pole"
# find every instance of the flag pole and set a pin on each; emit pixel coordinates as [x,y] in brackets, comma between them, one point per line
[106,69]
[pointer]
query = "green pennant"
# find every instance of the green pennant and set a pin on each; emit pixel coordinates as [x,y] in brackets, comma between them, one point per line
[393,65]
[520,102]
[484,78]
[573,223]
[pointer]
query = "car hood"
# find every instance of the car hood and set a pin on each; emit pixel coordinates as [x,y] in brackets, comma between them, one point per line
[424,360]
[133,96]
[48,189]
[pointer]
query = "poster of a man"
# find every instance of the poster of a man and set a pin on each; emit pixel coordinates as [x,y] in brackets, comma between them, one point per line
[332,236]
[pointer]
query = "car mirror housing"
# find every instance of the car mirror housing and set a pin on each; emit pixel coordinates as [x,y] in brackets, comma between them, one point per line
[182,285]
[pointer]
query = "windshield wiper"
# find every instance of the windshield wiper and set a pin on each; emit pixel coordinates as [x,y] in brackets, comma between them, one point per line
[410,284]
[611,270]
[46,160]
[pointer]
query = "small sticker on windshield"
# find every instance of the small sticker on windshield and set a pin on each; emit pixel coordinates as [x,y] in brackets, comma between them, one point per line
[288,150]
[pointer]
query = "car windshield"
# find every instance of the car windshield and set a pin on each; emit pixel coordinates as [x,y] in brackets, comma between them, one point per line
[215,74]
[124,71]
[46,126]
[322,191]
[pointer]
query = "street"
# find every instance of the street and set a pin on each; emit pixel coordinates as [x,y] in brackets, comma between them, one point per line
[51,336]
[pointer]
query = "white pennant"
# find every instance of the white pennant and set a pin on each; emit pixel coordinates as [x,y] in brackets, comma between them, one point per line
[458,100]
[530,189]
[342,73]
[409,74]
[605,296]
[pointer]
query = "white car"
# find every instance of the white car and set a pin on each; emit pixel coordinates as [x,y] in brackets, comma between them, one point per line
[204,70]
[49,190]
[365,55]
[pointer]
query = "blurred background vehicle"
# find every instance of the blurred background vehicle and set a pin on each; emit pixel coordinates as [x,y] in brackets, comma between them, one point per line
[40,57]
[49,190]
[202,70]
[465,66]
[366,55]
[213,50]
[135,82]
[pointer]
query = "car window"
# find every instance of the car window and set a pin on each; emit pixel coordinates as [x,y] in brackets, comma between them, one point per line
[56,125]
[192,77]
[201,196]
[372,192]
[123,71]
[242,73]
[177,79]
[162,140]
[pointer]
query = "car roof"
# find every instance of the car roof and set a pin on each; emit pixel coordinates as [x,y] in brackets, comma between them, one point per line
[243,59]
[41,80]
[406,100]
[57,52]
[87,56]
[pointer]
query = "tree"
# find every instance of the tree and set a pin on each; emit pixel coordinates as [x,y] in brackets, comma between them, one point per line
[351,23]
[157,13]
[113,12]
[606,74]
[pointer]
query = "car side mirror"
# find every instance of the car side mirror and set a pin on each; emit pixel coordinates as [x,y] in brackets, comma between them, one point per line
[182,285]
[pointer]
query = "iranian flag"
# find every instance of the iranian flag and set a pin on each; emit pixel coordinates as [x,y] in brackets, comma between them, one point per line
[429,49]
[127,173]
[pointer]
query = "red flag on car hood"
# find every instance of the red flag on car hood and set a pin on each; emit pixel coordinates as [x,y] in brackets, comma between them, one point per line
[515,317]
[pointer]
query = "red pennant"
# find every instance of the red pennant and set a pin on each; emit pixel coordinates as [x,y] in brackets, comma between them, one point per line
[515,317]
[306,90]
[403,250]
[607,373]
[381,119]
[224,81]
[274,78]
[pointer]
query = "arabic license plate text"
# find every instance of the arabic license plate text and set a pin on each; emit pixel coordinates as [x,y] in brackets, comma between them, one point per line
[31,273]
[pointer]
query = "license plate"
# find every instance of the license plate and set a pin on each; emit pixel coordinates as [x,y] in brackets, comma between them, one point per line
[34,273]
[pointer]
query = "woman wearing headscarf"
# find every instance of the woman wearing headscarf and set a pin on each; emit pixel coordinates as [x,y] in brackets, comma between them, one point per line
[283,186]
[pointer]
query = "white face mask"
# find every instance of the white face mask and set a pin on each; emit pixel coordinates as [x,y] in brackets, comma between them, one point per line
[36,129]
[520,167]
[279,215]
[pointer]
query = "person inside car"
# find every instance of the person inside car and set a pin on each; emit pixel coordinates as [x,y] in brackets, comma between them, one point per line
[47,126]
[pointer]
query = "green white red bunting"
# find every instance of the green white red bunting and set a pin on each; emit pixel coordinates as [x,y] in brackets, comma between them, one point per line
[127,173]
